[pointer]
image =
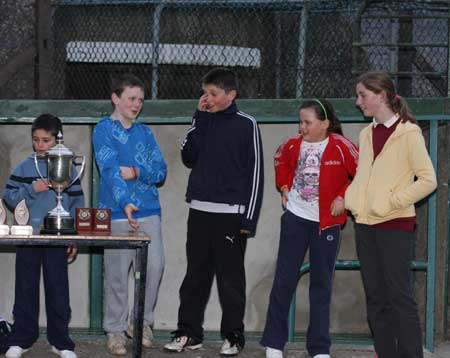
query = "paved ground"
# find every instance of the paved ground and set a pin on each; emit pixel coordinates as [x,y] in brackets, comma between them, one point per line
[87,348]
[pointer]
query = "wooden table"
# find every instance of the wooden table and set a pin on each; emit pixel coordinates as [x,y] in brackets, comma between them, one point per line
[133,239]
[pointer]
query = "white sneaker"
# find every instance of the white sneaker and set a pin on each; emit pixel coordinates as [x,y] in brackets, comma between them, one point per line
[181,343]
[64,353]
[15,352]
[322,356]
[273,353]
[147,335]
[116,344]
[229,349]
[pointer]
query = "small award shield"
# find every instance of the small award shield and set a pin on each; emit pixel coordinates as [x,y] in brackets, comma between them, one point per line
[84,219]
[21,216]
[102,220]
[4,229]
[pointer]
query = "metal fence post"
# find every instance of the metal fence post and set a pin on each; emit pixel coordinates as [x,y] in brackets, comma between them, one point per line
[432,231]
[95,263]
[302,50]
[155,47]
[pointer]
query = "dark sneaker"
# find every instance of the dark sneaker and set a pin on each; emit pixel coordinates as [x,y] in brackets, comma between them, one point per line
[181,343]
[5,328]
[232,345]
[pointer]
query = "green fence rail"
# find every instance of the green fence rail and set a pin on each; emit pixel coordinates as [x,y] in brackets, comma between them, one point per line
[167,112]
[340,265]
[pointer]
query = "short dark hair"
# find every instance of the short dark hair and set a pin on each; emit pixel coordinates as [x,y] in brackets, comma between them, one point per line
[119,83]
[47,122]
[222,78]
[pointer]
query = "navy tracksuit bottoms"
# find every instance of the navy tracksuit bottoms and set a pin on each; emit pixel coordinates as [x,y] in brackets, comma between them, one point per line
[297,235]
[25,330]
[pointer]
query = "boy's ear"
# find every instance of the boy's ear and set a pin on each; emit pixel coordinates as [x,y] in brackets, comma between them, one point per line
[114,98]
[232,94]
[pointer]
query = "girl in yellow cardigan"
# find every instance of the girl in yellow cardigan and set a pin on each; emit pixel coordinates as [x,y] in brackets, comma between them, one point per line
[394,172]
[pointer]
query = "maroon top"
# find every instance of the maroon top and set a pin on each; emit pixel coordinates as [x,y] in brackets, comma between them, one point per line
[380,135]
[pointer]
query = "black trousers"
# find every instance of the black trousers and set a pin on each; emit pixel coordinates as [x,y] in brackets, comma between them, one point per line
[385,255]
[214,247]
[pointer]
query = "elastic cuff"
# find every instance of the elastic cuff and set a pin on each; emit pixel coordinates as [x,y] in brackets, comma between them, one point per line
[136,171]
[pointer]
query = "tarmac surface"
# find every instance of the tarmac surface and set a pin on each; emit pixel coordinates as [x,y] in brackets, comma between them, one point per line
[97,348]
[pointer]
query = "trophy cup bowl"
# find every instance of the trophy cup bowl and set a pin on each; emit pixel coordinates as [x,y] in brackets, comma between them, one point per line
[59,160]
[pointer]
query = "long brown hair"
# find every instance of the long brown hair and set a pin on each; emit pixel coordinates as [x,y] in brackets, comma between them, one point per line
[324,110]
[379,81]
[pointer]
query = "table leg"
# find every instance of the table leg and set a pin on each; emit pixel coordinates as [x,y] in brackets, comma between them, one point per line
[139,298]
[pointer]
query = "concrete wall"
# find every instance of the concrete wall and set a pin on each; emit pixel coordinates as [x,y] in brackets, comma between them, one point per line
[348,300]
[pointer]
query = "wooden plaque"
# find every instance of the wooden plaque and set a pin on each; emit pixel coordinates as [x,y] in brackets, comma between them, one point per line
[102,220]
[84,219]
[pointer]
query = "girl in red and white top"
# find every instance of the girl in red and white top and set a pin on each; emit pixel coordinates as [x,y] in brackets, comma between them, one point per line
[313,170]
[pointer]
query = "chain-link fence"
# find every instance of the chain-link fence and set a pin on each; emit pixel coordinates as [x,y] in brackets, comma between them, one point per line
[279,49]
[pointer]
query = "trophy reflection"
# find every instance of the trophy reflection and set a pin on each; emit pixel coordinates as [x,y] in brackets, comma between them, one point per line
[4,229]
[59,160]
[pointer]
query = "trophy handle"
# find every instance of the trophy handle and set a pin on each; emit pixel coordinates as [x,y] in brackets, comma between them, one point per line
[83,164]
[36,157]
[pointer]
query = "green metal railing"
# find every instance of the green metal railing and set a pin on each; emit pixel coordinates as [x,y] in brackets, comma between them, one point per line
[340,265]
[172,112]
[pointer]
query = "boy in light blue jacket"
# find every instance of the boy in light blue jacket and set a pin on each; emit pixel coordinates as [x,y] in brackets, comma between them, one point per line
[131,165]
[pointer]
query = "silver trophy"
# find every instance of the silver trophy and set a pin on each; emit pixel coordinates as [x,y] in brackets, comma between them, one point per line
[59,161]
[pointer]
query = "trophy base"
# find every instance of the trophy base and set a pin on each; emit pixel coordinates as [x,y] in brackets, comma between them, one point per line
[45,231]
[63,225]
[25,230]
[4,230]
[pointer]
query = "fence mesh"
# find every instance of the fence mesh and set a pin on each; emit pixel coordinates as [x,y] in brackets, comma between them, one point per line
[279,49]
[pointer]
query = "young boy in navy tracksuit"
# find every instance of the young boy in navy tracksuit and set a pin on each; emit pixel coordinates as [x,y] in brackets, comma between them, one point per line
[25,183]
[223,149]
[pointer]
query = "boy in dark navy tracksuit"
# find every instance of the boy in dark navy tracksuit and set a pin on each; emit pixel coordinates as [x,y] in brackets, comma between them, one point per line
[25,183]
[223,149]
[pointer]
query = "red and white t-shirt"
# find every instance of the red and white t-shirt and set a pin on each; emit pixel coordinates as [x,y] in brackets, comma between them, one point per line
[303,198]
